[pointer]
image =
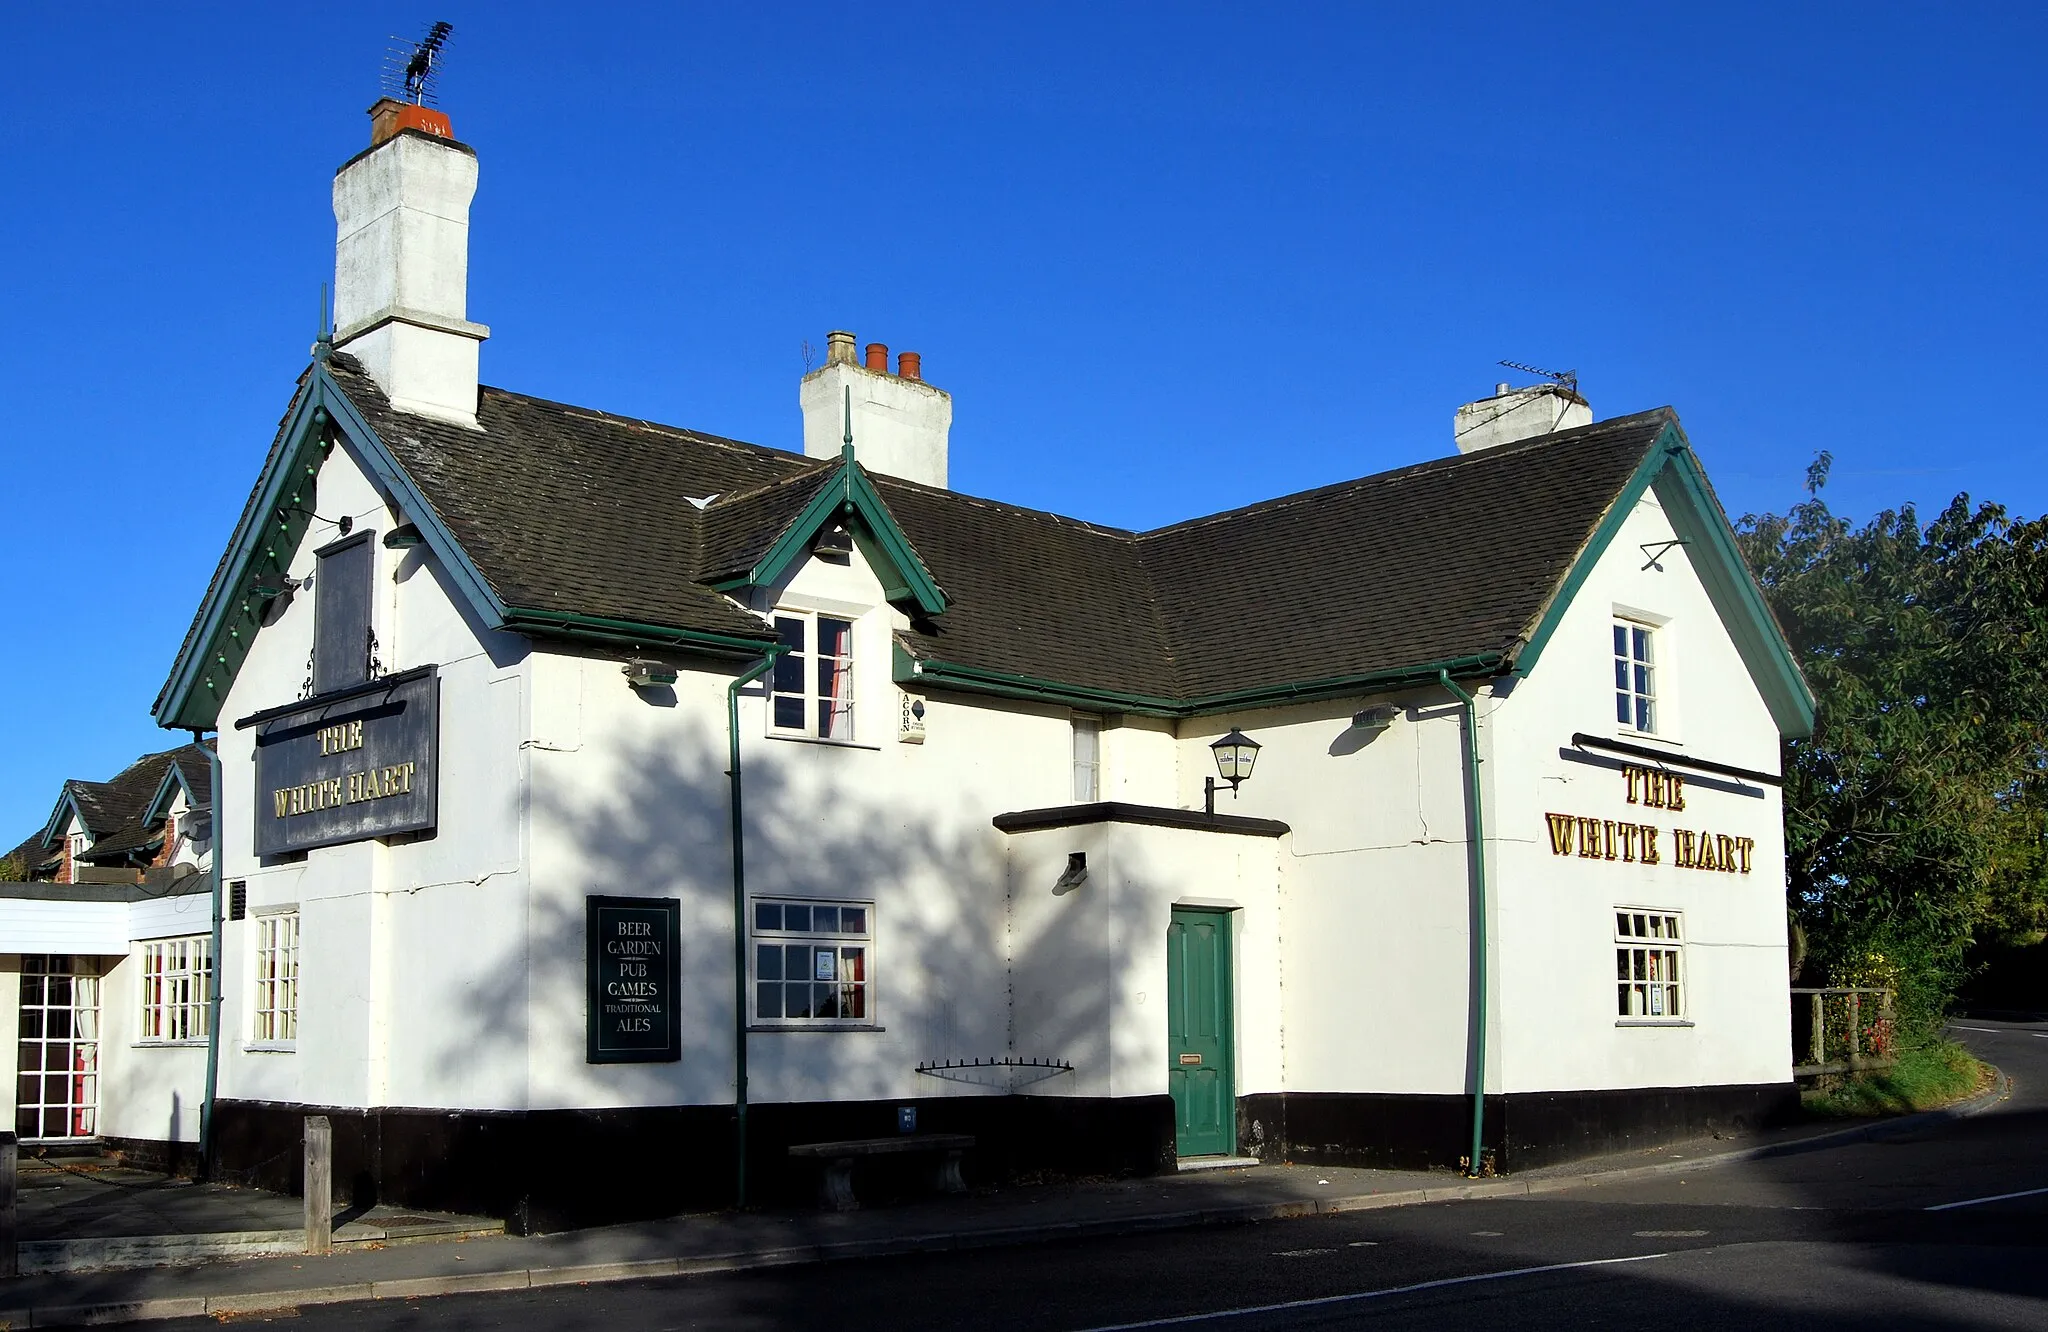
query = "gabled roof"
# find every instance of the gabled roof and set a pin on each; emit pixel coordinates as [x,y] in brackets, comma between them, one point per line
[557,520]
[121,813]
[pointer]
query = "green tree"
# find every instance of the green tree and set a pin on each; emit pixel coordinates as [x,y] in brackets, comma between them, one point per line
[1915,812]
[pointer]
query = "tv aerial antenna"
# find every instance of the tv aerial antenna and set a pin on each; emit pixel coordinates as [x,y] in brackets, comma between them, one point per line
[412,70]
[1568,379]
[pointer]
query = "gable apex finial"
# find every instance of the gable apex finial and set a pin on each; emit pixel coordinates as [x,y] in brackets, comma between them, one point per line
[846,440]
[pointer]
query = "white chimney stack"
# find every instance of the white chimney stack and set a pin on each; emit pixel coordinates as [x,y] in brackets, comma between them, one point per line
[1512,414]
[401,262]
[900,423]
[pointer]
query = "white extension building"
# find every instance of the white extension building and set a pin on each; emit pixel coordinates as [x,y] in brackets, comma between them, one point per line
[104,963]
[492,675]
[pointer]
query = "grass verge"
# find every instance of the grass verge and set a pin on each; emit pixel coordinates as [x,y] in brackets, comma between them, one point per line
[1926,1077]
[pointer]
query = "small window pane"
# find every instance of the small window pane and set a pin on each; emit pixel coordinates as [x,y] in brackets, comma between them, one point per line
[790,632]
[796,917]
[768,962]
[789,712]
[835,637]
[853,920]
[768,1001]
[824,964]
[825,1001]
[767,916]
[824,919]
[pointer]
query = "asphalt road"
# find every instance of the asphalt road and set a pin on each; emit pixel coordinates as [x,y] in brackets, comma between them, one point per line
[1910,1232]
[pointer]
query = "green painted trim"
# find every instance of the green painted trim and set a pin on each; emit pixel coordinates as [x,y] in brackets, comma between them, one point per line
[156,810]
[1475,803]
[739,914]
[1583,564]
[597,628]
[1696,518]
[886,548]
[66,801]
[411,500]
[230,618]
[264,541]
[913,671]
[1681,487]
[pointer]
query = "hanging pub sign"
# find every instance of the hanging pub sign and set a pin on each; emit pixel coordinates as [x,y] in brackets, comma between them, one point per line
[634,972]
[357,763]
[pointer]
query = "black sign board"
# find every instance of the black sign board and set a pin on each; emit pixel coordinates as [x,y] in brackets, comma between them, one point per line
[358,763]
[635,973]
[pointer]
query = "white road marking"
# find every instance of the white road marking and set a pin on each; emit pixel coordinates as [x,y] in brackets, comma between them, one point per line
[1996,1197]
[1301,1253]
[1363,1244]
[1669,1234]
[1182,1320]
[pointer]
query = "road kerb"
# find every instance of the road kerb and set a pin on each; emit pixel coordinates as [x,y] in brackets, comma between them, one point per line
[458,1283]
[266,1301]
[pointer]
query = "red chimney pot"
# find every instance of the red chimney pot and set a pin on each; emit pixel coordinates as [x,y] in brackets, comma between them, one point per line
[909,365]
[878,357]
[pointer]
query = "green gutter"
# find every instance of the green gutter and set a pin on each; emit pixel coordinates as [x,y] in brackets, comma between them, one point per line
[597,628]
[912,670]
[212,1088]
[739,918]
[1473,802]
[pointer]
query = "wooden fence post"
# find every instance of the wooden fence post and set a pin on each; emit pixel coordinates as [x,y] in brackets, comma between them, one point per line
[1855,1024]
[1820,1027]
[319,1184]
[10,1234]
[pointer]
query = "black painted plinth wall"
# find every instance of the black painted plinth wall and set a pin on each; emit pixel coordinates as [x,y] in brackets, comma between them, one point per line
[553,1169]
[1522,1131]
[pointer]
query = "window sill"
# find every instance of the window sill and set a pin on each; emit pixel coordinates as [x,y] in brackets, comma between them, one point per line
[1653,1022]
[816,1026]
[270,1047]
[199,1044]
[800,738]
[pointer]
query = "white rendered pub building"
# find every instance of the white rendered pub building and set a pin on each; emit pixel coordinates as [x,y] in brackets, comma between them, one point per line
[597,786]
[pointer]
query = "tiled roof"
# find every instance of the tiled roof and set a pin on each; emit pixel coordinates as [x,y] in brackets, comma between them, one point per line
[114,810]
[567,510]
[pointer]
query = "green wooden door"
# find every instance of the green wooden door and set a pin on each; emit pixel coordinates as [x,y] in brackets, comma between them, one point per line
[1198,1033]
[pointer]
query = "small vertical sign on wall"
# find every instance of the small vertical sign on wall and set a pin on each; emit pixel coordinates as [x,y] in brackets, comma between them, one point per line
[634,975]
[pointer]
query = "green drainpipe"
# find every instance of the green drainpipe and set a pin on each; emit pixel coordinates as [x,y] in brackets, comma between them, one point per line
[1478,808]
[213,966]
[739,917]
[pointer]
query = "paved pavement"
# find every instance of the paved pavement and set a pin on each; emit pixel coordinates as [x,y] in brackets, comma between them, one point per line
[1105,1255]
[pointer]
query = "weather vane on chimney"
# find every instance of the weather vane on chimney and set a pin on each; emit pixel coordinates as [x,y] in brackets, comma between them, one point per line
[412,70]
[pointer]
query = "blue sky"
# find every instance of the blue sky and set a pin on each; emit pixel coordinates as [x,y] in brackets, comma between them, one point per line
[1167,258]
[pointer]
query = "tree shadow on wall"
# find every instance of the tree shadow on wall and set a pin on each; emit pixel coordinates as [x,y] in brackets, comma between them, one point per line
[647,813]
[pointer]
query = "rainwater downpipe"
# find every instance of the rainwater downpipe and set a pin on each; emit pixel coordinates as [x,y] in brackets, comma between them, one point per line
[1473,802]
[214,836]
[739,920]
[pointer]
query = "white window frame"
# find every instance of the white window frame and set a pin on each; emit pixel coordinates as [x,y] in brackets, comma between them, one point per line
[1086,749]
[274,997]
[177,977]
[76,845]
[804,664]
[762,938]
[1651,984]
[68,1060]
[1638,680]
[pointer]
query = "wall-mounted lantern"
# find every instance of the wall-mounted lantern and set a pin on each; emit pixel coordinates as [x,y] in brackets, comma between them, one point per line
[1235,754]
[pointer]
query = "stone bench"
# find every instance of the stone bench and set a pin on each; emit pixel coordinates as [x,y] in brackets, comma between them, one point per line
[835,1190]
